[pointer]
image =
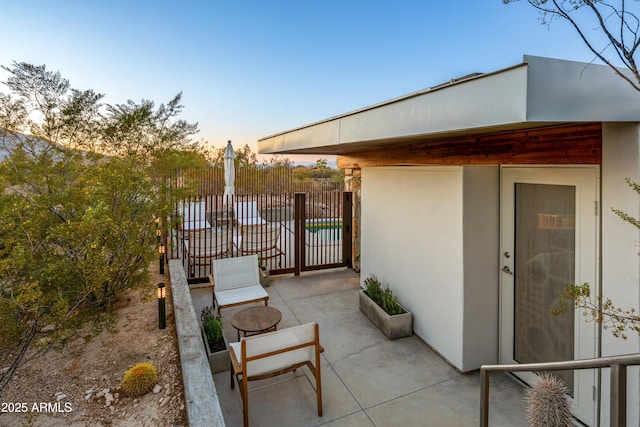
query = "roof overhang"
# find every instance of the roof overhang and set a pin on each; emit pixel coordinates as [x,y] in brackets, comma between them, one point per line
[536,93]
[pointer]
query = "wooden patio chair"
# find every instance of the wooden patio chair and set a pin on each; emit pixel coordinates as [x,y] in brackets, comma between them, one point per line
[261,240]
[192,219]
[206,245]
[275,353]
[246,213]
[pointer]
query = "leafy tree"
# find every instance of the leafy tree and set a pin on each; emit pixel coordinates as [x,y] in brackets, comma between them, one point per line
[279,161]
[618,24]
[302,173]
[322,164]
[601,310]
[337,176]
[244,157]
[80,189]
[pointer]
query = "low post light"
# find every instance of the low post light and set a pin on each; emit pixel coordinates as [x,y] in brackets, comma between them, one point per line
[162,318]
[158,230]
[161,251]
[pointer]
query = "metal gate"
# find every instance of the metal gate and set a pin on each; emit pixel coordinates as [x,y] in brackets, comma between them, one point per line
[321,241]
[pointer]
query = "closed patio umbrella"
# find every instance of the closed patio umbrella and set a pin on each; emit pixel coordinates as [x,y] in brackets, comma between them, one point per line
[229,172]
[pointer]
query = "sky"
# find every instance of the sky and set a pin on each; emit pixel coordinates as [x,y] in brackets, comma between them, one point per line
[250,69]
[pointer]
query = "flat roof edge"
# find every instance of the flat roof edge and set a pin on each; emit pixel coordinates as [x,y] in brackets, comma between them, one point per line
[432,89]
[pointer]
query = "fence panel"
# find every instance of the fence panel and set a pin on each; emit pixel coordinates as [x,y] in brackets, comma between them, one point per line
[264,217]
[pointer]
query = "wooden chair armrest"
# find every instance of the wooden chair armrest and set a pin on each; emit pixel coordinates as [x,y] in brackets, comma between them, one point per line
[235,364]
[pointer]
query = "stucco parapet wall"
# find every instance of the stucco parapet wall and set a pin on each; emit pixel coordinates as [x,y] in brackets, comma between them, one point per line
[537,92]
[200,394]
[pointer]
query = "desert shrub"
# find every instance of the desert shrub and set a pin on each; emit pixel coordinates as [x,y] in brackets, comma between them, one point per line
[548,403]
[139,380]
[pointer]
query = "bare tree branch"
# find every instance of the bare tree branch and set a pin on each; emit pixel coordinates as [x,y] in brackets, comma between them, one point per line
[626,25]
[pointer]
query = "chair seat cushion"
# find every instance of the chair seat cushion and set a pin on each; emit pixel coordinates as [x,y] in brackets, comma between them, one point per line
[272,342]
[271,364]
[239,295]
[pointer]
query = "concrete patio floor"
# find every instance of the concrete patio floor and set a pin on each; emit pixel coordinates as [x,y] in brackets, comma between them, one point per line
[367,380]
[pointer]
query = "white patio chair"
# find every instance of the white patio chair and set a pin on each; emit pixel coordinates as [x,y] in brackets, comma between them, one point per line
[236,281]
[275,353]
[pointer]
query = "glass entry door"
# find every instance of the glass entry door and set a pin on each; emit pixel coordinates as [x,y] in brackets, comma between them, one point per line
[549,240]
[544,257]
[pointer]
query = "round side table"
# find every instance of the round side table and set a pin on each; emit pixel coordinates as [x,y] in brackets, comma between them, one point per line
[256,320]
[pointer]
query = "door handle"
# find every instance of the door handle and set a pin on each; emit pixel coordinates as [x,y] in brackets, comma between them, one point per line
[506,269]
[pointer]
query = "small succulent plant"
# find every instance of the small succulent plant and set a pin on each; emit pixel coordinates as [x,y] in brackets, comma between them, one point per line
[139,380]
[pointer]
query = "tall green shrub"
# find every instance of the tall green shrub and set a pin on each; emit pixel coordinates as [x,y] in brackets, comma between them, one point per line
[79,191]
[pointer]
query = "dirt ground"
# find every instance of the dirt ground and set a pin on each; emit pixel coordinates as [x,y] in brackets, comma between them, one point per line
[74,387]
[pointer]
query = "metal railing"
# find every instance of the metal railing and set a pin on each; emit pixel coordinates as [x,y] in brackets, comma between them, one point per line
[617,364]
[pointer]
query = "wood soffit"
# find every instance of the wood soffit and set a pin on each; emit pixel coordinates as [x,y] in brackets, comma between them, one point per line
[566,144]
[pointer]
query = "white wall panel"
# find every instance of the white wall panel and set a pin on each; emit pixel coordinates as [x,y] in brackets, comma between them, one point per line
[481,265]
[412,240]
[620,240]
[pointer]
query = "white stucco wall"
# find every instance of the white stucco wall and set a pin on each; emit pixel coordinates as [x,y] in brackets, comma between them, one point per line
[412,240]
[481,227]
[432,234]
[620,247]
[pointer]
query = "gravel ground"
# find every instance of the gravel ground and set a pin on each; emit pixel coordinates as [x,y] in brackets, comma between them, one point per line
[80,385]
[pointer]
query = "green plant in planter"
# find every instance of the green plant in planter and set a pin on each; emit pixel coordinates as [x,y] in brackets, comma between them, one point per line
[373,288]
[390,303]
[382,296]
[212,326]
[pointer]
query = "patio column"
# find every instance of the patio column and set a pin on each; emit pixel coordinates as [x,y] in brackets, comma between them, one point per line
[352,177]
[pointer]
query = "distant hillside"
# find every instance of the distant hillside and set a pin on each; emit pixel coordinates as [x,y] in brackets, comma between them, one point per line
[6,140]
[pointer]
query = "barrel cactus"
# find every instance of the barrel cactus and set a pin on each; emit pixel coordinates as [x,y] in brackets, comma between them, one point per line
[548,403]
[139,380]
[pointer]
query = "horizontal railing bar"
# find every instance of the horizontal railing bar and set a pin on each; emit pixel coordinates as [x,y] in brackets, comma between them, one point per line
[599,362]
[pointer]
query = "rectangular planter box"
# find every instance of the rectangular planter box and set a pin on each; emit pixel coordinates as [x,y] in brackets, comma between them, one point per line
[396,326]
[264,277]
[218,361]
